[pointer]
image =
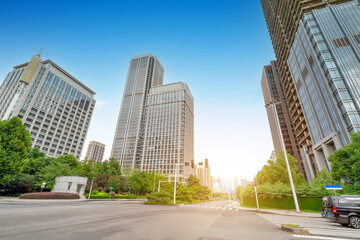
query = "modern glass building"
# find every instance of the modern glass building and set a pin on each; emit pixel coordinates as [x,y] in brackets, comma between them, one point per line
[325,66]
[169,130]
[145,71]
[55,107]
[273,89]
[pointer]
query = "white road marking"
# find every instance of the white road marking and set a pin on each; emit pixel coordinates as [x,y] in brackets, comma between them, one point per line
[230,208]
[218,207]
[319,237]
[224,208]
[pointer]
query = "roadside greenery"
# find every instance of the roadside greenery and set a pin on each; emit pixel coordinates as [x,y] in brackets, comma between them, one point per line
[192,191]
[15,144]
[22,170]
[273,182]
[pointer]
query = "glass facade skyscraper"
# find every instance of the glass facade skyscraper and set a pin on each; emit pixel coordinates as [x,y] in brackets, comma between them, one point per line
[273,89]
[169,131]
[145,71]
[325,66]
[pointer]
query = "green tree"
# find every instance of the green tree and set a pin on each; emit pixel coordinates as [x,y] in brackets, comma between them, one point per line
[183,193]
[239,189]
[192,181]
[50,172]
[119,183]
[114,167]
[140,182]
[276,171]
[15,144]
[345,163]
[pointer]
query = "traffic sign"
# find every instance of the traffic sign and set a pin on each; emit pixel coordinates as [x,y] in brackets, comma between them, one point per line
[111,187]
[333,187]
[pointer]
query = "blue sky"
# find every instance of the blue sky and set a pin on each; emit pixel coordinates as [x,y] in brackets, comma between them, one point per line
[217,47]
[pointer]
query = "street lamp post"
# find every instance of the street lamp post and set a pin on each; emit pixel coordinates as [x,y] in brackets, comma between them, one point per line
[273,104]
[176,169]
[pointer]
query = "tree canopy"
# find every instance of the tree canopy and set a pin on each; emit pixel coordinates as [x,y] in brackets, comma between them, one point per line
[15,144]
[276,171]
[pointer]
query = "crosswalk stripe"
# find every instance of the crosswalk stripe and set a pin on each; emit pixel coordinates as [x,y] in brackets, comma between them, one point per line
[224,208]
[230,208]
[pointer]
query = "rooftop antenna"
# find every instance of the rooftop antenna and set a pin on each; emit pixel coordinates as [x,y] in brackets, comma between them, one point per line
[40,52]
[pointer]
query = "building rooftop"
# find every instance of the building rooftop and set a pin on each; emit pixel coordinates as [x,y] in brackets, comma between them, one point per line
[61,70]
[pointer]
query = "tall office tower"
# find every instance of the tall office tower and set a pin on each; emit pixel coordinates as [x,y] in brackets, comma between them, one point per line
[273,90]
[144,72]
[236,182]
[95,151]
[204,175]
[54,106]
[282,18]
[324,62]
[169,130]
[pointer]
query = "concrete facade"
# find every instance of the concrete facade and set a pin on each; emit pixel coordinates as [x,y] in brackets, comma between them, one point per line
[55,107]
[95,151]
[70,184]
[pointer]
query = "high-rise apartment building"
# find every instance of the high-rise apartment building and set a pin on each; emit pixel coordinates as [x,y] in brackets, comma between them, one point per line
[203,174]
[55,107]
[95,151]
[273,90]
[169,130]
[283,18]
[155,129]
[145,71]
[324,62]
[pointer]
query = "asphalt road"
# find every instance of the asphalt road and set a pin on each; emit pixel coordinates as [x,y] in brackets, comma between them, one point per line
[131,220]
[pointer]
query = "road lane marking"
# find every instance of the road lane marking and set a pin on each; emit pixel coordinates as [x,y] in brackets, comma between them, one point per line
[319,237]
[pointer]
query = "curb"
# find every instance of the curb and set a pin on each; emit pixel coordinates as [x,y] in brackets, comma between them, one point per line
[275,213]
[300,231]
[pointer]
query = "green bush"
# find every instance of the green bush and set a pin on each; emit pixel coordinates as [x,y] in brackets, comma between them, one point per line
[94,192]
[104,195]
[50,195]
[161,197]
[305,203]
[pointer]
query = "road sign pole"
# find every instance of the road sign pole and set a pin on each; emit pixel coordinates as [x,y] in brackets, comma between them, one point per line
[257,200]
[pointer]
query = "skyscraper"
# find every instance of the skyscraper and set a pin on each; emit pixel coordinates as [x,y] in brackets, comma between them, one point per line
[273,90]
[95,151]
[203,174]
[145,71]
[169,130]
[55,107]
[283,18]
[324,62]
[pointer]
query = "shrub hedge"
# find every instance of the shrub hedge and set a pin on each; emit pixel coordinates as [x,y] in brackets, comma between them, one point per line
[305,203]
[49,195]
[104,195]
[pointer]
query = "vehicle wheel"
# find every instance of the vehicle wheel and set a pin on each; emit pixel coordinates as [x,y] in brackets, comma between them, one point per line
[344,224]
[355,222]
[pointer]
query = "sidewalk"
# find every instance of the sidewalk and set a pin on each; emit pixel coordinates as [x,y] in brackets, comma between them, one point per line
[15,199]
[278,212]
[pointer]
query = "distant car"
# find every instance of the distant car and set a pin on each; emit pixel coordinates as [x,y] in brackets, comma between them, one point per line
[342,209]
